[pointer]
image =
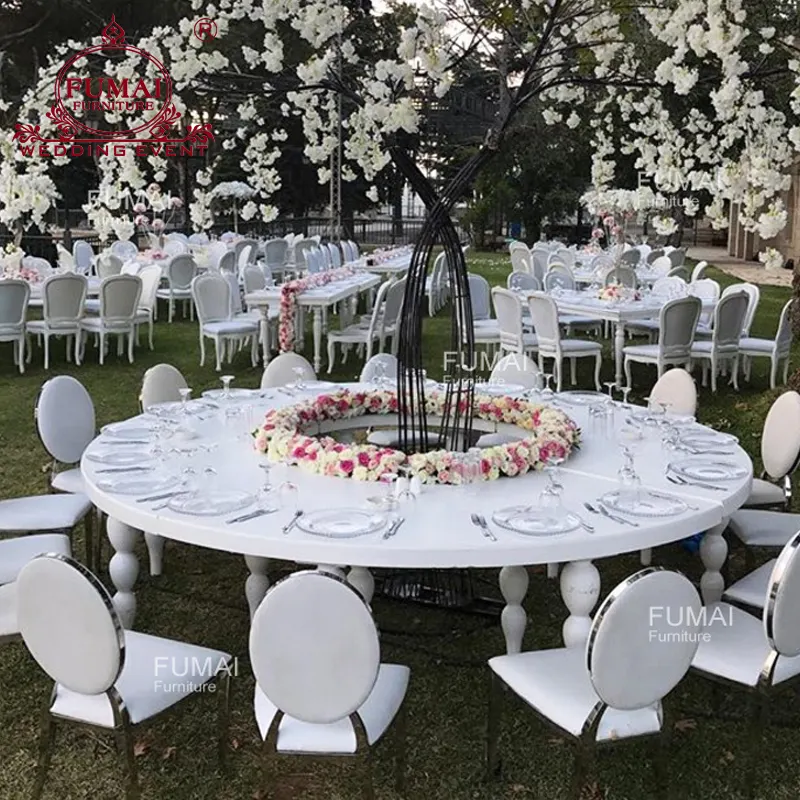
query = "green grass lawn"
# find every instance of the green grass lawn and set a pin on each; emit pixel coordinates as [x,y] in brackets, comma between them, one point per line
[200,597]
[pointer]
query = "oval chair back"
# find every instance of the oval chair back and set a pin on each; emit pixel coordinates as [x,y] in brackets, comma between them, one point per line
[383,364]
[254,279]
[227,262]
[314,648]
[65,443]
[782,610]
[677,325]
[622,276]
[633,656]
[181,271]
[211,294]
[480,297]
[108,265]
[677,390]
[559,275]
[119,298]
[508,312]
[14,297]
[63,298]
[516,368]
[523,282]
[124,250]
[780,439]
[281,371]
[161,384]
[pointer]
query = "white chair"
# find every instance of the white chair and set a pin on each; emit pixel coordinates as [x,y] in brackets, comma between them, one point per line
[699,271]
[299,251]
[516,368]
[760,656]
[544,314]
[631,258]
[679,272]
[66,261]
[246,257]
[124,250]
[108,264]
[661,265]
[777,350]
[161,384]
[82,253]
[677,321]
[723,347]
[150,276]
[621,276]
[15,553]
[177,236]
[315,260]
[175,247]
[677,257]
[383,322]
[435,284]
[276,253]
[709,291]
[355,250]
[105,677]
[486,330]
[321,689]
[198,238]
[254,280]
[560,276]
[563,255]
[539,261]
[39,265]
[508,311]
[612,688]
[227,264]
[63,299]
[675,389]
[521,259]
[250,246]
[214,254]
[14,298]
[336,255]
[383,364]
[654,255]
[523,282]
[664,289]
[212,297]
[181,271]
[119,304]
[281,371]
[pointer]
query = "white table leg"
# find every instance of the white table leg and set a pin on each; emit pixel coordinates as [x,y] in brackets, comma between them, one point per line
[265,333]
[123,568]
[317,338]
[257,583]
[361,578]
[514,587]
[155,549]
[619,343]
[552,571]
[580,590]
[713,552]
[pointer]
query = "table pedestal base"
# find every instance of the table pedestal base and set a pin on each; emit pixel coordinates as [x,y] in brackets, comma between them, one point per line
[123,568]
[257,583]
[514,586]
[713,552]
[580,590]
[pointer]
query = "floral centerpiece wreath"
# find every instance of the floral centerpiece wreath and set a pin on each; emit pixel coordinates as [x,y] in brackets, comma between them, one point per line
[550,434]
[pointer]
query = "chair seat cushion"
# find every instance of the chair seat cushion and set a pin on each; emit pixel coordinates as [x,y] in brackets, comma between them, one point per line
[377,713]
[17,552]
[556,683]
[751,345]
[177,294]
[736,647]
[581,346]
[353,334]
[92,306]
[157,674]
[99,324]
[48,512]
[764,528]
[71,480]
[648,351]
[764,493]
[752,589]
[701,348]
[644,325]
[231,327]
[40,326]
[573,321]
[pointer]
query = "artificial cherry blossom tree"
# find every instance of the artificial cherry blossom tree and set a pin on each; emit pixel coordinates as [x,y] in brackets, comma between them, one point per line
[701,96]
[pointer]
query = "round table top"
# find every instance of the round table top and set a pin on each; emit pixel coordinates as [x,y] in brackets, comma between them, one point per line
[438,532]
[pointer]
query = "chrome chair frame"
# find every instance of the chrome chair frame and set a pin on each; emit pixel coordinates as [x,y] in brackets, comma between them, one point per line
[123,728]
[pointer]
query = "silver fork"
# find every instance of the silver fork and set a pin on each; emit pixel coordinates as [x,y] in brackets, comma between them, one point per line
[480,521]
[676,479]
[601,510]
[393,528]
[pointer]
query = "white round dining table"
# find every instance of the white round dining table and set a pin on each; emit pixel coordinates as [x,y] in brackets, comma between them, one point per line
[437,532]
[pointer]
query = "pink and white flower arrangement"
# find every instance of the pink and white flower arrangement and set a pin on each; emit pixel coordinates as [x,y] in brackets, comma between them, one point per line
[616,293]
[282,437]
[288,307]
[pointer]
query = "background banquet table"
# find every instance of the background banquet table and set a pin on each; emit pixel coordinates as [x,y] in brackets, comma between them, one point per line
[438,532]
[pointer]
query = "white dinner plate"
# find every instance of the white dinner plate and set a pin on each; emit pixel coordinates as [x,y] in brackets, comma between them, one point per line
[120,456]
[150,483]
[342,523]
[707,469]
[700,440]
[319,386]
[644,504]
[235,394]
[140,430]
[535,521]
[579,398]
[212,503]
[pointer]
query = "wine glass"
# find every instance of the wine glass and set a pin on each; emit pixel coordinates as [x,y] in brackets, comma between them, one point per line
[611,385]
[185,394]
[289,497]
[405,495]
[266,496]
[547,392]
[389,498]
[226,387]
[476,464]
[550,498]
[300,374]
[379,375]
[626,390]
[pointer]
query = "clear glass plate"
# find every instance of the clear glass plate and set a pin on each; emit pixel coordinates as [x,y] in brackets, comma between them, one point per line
[342,523]
[707,469]
[175,409]
[579,398]
[211,504]
[150,483]
[319,386]
[235,394]
[141,430]
[702,439]
[120,456]
[499,389]
[535,521]
[649,504]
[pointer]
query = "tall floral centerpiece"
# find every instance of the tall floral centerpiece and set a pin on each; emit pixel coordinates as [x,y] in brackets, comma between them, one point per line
[154,211]
[233,193]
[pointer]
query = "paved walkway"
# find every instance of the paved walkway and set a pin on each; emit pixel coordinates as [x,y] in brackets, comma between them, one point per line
[749,271]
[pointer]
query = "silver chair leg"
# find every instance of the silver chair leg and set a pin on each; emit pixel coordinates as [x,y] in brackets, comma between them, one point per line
[125,747]
[584,757]
[224,699]
[401,736]
[759,708]
[493,729]
[47,734]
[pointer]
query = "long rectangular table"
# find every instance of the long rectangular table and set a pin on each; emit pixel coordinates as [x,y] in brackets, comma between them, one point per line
[315,299]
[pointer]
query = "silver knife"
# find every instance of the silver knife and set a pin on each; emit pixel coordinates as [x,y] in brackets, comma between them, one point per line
[166,496]
[124,469]
[606,513]
[252,515]
[395,526]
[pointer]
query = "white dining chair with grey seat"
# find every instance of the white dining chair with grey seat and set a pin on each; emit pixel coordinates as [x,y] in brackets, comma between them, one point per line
[212,298]
[723,347]
[119,305]
[66,261]
[14,298]
[612,688]
[150,277]
[83,254]
[106,678]
[175,247]
[523,282]
[108,264]
[550,344]
[276,254]
[15,553]
[181,271]
[539,262]
[699,271]
[677,257]
[381,365]
[676,390]
[124,250]
[631,258]
[281,371]
[321,688]
[677,320]
[508,312]
[777,350]
[621,275]
[759,656]
[63,300]
[654,255]
[521,259]
[559,276]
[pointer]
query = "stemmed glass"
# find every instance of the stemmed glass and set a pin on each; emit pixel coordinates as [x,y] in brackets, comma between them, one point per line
[185,394]
[289,497]
[547,392]
[379,375]
[550,497]
[226,387]
[266,494]
[300,375]
[611,385]
[630,483]
[405,495]
[626,390]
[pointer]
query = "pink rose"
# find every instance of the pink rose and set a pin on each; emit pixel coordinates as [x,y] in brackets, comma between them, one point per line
[347,465]
[158,225]
[363,459]
[176,202]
